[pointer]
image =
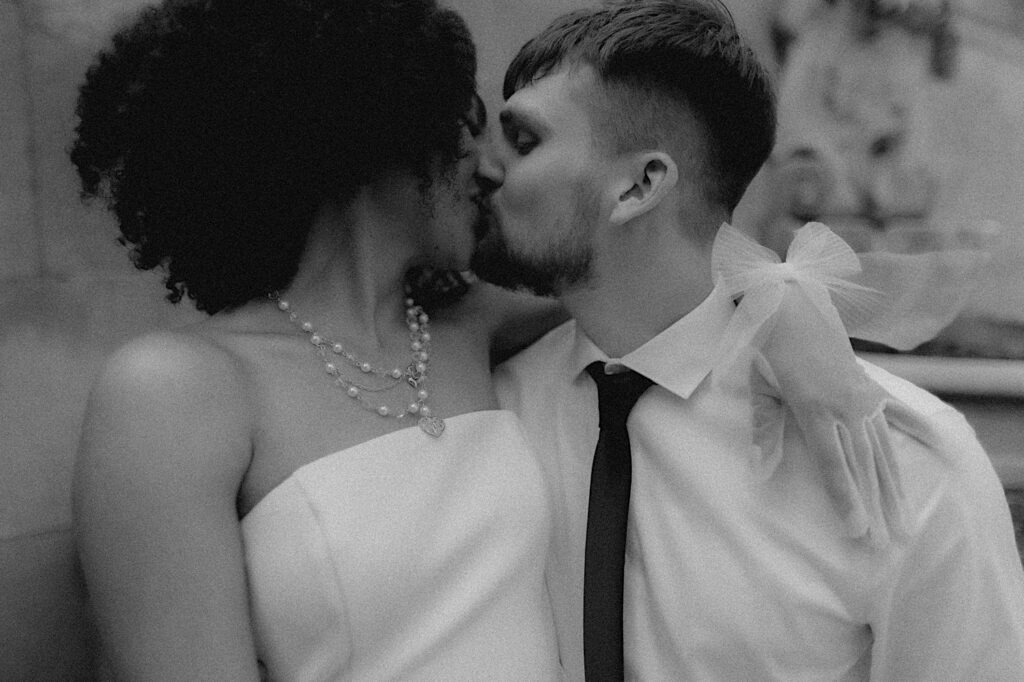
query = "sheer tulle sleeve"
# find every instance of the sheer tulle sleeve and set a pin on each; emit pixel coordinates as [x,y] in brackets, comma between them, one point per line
[800,314]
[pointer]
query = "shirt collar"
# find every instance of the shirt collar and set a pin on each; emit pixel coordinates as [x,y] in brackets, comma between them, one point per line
[678,358]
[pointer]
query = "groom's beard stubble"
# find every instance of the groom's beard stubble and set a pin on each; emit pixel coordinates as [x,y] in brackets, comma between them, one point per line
[494,262]
[565,263]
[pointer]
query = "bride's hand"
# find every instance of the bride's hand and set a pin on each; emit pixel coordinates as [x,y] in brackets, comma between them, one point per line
[846,418]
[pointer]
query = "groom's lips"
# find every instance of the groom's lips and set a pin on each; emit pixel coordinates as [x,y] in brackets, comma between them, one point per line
[485,220]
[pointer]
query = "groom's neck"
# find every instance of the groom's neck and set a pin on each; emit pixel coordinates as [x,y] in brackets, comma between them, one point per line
[626,304]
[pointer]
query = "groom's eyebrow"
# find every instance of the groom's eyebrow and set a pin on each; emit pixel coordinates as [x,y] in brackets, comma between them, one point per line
[518,118]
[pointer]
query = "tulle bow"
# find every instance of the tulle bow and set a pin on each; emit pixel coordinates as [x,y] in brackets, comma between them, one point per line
[800,314]
[818,260]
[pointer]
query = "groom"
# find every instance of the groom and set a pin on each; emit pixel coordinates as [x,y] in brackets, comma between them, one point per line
[683,550]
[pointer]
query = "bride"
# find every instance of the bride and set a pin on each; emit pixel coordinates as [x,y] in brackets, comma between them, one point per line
[316,480]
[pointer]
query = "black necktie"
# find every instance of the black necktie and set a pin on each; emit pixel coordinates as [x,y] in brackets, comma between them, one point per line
[606,524]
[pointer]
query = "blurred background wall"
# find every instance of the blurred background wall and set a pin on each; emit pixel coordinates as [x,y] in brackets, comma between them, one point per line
[69,294]
[902,128]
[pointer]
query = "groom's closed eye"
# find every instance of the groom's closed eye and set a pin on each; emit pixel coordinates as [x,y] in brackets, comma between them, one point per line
[518,133]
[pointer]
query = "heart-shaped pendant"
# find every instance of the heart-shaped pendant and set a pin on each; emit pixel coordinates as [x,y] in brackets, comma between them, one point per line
[432,426]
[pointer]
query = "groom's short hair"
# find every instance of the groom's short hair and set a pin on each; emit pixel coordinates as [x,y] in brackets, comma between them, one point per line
[663,63]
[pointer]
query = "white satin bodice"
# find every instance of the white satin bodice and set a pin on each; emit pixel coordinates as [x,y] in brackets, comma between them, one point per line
[407,558]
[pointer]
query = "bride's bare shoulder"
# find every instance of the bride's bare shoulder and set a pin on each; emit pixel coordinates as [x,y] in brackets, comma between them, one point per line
[169,398]
[175,362]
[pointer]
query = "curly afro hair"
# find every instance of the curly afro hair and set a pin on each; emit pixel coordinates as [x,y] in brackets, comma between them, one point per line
[215,129]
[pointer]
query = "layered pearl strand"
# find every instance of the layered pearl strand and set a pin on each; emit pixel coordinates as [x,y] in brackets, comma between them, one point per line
[383,379]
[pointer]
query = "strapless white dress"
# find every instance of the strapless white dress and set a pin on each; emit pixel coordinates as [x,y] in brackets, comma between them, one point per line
[407,558]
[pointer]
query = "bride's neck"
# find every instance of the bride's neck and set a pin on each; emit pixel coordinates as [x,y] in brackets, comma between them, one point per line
[351,274]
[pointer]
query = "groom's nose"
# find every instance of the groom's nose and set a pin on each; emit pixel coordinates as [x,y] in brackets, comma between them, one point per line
[489,172]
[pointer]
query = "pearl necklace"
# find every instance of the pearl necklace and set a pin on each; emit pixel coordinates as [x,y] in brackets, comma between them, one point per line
[415,373]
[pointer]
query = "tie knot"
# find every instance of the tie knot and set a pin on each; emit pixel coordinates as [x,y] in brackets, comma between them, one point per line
[617,393]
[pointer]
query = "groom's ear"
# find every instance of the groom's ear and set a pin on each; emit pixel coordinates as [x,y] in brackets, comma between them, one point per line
[646,180]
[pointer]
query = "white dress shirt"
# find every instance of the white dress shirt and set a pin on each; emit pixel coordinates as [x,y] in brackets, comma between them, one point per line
[737,569]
